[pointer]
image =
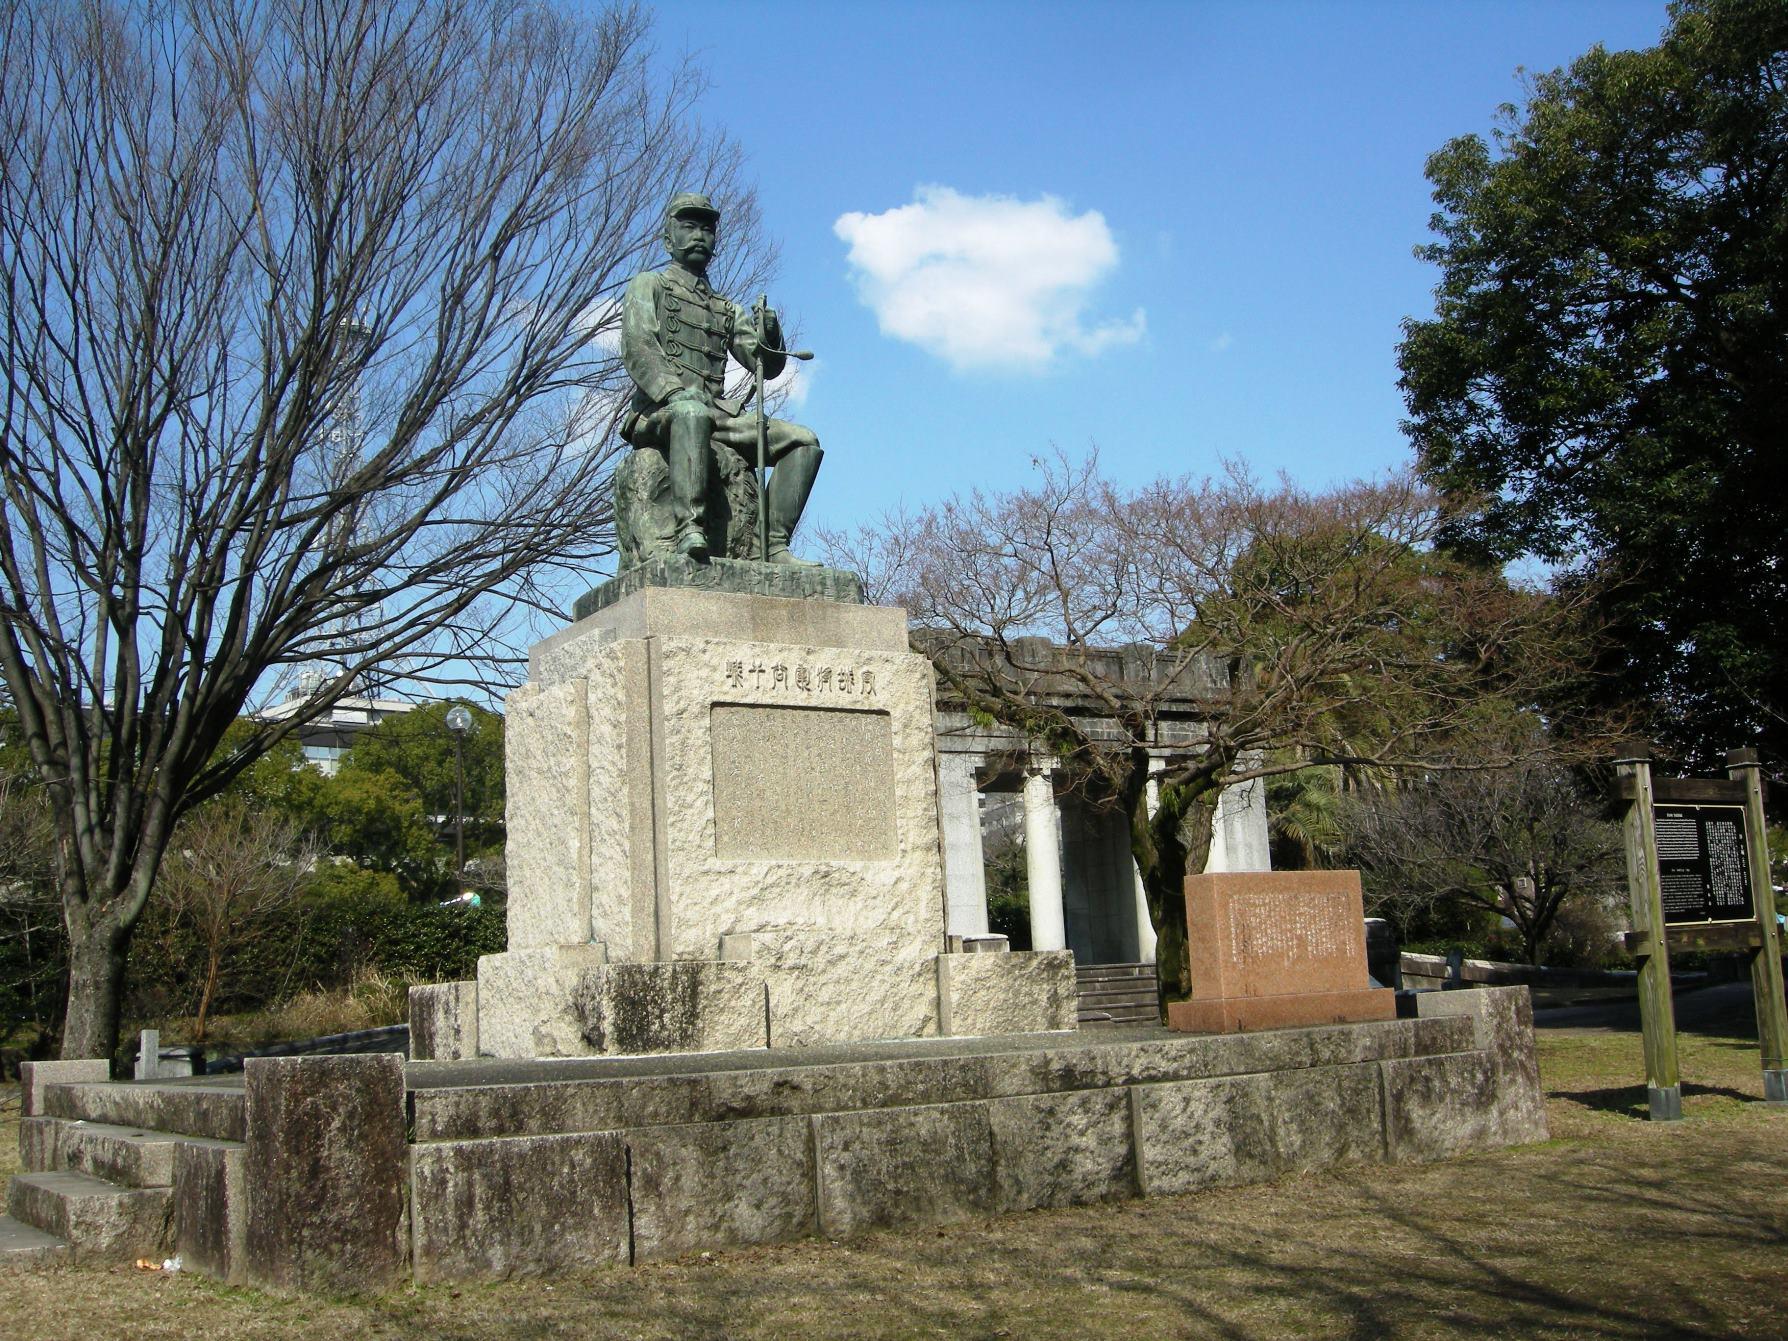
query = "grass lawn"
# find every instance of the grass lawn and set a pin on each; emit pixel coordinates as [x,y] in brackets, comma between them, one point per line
[1613,1228]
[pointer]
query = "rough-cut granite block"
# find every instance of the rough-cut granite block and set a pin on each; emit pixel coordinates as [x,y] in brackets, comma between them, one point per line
[1062,1149]
[547,760]
[1196,1134]
[903,1167]
[816,988]
[567,1003]
[325,1170]
[1012,993]
[444,1021]
[98,1220]
[187,1108]
[518,1206]
[36,1077]
[661,612]
[1439,1106]
[127,1156]
[721,1185]
[1327,1117]
[40,1144]
[1502,1023]
[524,1001]
[211,1208]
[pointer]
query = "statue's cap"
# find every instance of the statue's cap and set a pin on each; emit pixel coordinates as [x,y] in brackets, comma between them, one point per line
[691,202]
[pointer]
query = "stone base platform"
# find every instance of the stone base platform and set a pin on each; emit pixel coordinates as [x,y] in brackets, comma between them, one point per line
[741,576]
[328,1173]
[1231,1015]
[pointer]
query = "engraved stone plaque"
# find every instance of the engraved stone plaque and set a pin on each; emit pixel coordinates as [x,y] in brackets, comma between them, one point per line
[802,784]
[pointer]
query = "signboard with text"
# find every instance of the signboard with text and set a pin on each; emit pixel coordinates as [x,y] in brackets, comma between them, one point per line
[1704,870]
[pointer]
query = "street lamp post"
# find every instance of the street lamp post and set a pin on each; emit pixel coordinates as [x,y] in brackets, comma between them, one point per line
[459,721]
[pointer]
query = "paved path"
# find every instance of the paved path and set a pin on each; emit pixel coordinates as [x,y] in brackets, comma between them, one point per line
[1715,1009]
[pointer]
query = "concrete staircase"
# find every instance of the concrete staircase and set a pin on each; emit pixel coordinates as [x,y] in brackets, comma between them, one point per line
[1117,994]
[102,1164]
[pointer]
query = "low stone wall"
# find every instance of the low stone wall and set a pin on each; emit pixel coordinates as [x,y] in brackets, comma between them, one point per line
[556,1165]
[1430,971]
[354,1173]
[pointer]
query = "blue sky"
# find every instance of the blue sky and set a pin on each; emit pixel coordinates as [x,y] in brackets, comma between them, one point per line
[1196,217]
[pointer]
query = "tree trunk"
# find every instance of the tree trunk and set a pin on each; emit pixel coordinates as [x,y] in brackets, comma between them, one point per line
[1174,842]
[211,965]
[95,991]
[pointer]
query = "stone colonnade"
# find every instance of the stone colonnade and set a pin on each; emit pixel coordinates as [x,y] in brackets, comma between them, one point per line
[1085,891]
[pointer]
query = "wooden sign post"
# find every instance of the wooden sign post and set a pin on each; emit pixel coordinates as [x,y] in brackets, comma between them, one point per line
[1657,1012]
[1744,767]
[1698,874]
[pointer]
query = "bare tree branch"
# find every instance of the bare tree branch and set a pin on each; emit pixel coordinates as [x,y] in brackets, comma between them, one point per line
[303,340]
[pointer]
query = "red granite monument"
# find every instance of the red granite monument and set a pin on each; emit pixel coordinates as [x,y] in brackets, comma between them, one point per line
[1277,949]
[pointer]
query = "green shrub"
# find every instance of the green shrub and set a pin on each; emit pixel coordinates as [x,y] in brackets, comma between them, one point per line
[351,925]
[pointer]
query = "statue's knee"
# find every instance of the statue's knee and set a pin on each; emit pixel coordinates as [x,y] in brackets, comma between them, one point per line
[690,415]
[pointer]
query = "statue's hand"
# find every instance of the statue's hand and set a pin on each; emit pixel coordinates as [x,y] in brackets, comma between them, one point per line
[691,395]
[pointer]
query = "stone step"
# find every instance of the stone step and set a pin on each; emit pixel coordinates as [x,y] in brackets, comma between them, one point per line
[1145,1014]
[1127,1006]
[1121,1012]
[1098,972]
[205,1106]
[26,1246]
[127,1156]
[1140,1005]
[98,1220]
[1119,991]
[1116,985]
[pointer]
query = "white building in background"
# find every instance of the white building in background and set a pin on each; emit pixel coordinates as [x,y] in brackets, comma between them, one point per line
[330,736]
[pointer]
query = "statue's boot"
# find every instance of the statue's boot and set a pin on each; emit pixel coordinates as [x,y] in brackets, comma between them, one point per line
[790,483]
[691,464]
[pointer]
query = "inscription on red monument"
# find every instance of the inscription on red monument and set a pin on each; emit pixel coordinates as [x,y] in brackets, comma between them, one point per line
[1271,949]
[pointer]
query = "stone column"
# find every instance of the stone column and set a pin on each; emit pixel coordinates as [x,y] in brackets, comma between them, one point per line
[1043,857]
[1145,927]
[1239,836]
[965,874]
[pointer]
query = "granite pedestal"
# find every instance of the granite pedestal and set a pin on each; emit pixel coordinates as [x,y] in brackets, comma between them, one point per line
[723,833]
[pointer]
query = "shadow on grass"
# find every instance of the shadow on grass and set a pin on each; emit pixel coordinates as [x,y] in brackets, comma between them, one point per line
[1526,1247]
[1630,1100]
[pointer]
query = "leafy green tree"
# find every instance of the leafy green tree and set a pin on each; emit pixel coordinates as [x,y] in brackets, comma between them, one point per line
[1606,372]
[374,818]
[418,747]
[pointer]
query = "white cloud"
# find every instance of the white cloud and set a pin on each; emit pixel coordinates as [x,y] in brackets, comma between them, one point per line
[986,281]
[1222,343]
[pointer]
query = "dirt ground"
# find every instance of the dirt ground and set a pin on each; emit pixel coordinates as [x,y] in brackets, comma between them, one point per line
[1614,1228]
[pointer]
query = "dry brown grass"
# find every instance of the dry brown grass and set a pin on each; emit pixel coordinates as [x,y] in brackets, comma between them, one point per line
[1612,1229]
[10,1108]
[374,999]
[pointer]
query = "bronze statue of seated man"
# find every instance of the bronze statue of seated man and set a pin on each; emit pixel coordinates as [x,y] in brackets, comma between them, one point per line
[676,334]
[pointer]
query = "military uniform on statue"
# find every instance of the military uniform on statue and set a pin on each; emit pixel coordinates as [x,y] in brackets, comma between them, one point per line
[676,334]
